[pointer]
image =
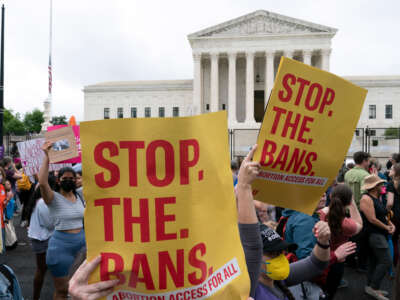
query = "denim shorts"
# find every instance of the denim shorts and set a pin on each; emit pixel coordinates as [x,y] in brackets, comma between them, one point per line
[38,246]
[62,251]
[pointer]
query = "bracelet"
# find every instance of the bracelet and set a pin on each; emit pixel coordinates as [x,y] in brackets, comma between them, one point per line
[323,246]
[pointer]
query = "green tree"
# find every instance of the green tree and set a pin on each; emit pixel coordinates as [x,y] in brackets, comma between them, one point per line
[59,120]
[33,121]
[12,124]
[391,133]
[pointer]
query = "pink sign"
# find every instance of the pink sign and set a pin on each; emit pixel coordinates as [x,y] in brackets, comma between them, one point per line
[77,159]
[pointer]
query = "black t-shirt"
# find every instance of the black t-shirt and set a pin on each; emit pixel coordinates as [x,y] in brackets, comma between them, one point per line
[396,200]
[380,212]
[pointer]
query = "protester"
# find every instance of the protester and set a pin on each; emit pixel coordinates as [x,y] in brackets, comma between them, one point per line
[3,199]
[393,203]
[11,240]
[342,229]
[67,208]
[41,227]
[276,272]
[25,190]
[378,227]
[355,179]
[298,230]
[12,174]
[252,244]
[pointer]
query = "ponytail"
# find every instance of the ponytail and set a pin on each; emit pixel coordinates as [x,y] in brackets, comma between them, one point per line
[340,198]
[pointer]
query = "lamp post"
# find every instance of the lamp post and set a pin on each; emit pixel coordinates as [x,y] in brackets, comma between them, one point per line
[2,83]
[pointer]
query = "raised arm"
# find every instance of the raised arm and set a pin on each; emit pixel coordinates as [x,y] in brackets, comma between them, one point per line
[249,228]
[46,191]
[247,173]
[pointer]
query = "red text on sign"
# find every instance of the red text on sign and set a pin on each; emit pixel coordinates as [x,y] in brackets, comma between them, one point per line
[107,149]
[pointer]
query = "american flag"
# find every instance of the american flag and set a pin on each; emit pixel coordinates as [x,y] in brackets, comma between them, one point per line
[50,76]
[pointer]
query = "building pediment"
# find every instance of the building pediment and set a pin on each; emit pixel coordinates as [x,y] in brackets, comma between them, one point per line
[262,22]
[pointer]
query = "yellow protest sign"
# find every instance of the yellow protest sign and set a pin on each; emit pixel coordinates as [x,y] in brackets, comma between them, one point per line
[161,209]
[306,132]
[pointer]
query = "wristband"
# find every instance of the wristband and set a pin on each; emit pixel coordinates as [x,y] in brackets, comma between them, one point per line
[322,245]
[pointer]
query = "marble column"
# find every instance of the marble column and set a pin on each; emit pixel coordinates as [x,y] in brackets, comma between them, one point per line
[307,56]
[249,88]
[269,74]
[197,93]
[214,91]
[326,54]
[232,88]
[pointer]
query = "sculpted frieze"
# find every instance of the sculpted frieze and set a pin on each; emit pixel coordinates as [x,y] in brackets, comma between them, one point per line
[261,25]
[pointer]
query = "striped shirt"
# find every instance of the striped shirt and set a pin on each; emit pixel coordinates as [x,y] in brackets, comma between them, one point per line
[66,214]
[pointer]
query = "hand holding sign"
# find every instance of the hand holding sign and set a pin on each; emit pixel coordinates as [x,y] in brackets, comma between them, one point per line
[46,147]
[79,288]
[151,192]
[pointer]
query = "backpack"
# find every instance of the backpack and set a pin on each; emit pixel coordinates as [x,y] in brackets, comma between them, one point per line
[24,184]
[9,285]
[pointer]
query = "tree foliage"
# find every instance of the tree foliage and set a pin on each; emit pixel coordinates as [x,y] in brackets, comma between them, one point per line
[33,121]
[59,120]
[12,124]
[391,133]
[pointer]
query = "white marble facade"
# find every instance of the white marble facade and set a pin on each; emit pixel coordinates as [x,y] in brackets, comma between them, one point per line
[234,66]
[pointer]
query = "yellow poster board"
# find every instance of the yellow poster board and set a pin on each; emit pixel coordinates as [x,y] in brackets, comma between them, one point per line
[161,208]
[306,132]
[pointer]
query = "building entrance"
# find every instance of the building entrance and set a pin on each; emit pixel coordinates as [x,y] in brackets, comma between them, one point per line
[258,105]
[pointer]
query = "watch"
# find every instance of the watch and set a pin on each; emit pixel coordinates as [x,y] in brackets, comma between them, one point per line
[323,246]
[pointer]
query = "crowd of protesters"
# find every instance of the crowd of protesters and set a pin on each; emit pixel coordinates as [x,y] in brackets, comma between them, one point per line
[51,206]
[289,255]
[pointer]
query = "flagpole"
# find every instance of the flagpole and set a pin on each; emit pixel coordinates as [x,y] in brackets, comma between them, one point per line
[48,101]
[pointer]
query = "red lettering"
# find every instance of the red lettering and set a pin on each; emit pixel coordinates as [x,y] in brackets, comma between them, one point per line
[329,96]
[165,263]
[197,263]
[289,91]
[309,96]
[266,152]
[132,147]
[106,164]
[312,156]
[143,220]
[279,111]
[282,157]
[107,204]
[303,83]
[292,125]
[140,262]
[185,163]
[118,267]
[162,218]
[296,161]
[151,163]
[304,128]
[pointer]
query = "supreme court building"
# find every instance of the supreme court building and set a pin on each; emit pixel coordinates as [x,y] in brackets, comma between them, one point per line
[235,64]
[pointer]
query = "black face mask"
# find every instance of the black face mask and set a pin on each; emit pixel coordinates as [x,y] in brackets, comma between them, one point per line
[68,185]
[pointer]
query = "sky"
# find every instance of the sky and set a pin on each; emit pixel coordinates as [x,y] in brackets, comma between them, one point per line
[118,40]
